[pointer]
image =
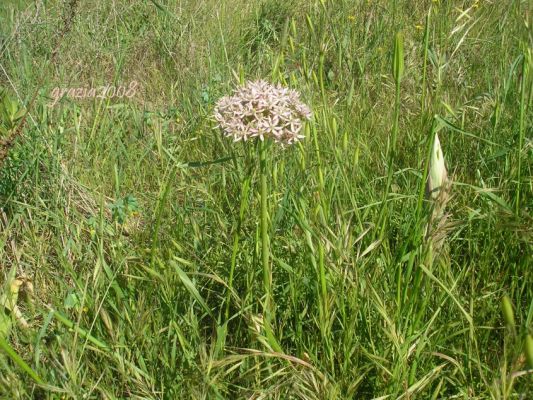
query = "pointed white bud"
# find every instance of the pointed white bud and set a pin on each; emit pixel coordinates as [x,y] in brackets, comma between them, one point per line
[437,176]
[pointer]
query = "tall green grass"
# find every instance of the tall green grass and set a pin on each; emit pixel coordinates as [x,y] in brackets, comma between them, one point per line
[136,229]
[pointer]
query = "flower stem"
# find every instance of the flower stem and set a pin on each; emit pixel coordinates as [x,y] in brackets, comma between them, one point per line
[265,251]
[245,186]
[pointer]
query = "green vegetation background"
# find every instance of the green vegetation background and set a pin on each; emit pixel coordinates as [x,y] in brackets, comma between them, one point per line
[120,218]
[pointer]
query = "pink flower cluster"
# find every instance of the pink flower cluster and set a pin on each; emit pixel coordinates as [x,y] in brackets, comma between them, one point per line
[259,109]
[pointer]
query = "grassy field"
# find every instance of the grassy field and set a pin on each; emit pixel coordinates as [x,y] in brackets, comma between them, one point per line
[132,248]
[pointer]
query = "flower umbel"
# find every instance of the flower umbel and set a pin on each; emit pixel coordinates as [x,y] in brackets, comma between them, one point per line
[260,109]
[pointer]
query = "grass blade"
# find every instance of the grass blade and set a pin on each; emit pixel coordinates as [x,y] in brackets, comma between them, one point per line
[19,361]
[191,287]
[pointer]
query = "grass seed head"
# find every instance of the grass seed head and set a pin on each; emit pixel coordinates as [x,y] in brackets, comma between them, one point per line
[508,314]
[529,351]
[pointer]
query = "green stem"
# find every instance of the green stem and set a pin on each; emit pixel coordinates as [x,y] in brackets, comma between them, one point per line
[265,251]
[82,332]
[245,186]
[323,285]
[394,135]
[161,203]
[232,269]
[523,105]
[392,156]
[397,73]
[424,72]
